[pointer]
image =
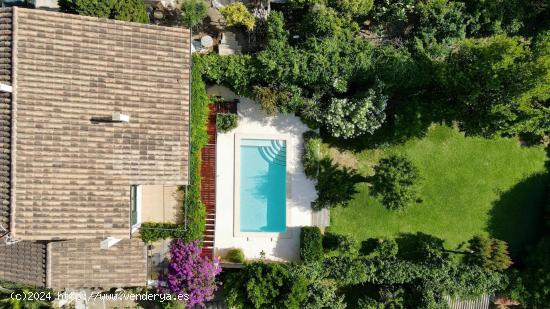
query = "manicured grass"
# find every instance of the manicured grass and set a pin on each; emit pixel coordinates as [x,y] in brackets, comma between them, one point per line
[470,186]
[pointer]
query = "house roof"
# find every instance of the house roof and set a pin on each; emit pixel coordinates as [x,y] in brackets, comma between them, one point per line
[5,116]
[24,262]
[71,176]
[83,264]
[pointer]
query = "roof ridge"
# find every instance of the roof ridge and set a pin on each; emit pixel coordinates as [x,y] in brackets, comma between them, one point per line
[100,19]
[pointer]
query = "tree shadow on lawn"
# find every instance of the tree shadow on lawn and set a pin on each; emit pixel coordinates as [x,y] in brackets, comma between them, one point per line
[517,217]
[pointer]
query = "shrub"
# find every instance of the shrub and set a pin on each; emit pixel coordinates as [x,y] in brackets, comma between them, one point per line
[129,10]
[395,180]
[193,12]
[238,72]
[235,255]
[311,244]
[378,247]
[342,243]
[226,122]
[265,285]
[236,14]
[352,7]
[489,253]
[190,273]
[311,155]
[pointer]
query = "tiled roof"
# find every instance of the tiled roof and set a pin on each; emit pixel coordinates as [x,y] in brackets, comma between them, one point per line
[5,116]
[83,264]
[23,262]
[72,176]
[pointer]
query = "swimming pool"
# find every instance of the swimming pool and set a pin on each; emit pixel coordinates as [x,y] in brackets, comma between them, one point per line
[262,185]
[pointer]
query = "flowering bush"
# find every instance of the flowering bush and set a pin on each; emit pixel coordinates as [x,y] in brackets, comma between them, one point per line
[236,14]
[190,273]
[347,118]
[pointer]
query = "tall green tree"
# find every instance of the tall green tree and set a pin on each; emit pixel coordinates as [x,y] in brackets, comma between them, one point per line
[498,85]
[395,182]
[490,253]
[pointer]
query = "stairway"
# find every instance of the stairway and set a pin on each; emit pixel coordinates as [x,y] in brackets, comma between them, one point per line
[229,44]
[276,153]
[208,183]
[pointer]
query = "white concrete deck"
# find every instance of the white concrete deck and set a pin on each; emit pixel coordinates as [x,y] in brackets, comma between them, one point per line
[300,190]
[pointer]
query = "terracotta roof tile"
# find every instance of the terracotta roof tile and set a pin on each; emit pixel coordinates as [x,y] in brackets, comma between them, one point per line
[23,262]
[72,176]
[5,116]
[83,264]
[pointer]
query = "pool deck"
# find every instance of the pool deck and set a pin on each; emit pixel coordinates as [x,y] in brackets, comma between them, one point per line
[300,190]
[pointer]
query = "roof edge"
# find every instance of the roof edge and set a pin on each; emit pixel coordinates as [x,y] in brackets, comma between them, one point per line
[101,19]
[13,120]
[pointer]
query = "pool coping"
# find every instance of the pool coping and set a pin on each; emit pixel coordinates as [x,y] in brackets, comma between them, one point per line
[237,182]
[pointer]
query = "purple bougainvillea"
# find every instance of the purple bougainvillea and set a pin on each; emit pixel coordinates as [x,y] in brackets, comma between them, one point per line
[190,273]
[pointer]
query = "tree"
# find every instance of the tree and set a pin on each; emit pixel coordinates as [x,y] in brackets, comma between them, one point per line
[352,118]
[193,12]
[395,181]
[439,21]
[236,14]
[498,84]
[190,273]
[265,285]
[489,253]
[129,10]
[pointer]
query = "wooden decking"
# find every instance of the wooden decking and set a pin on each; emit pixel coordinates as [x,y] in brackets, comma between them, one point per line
[208,174]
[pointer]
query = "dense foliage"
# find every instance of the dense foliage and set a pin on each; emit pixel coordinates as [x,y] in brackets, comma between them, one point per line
[226,121]
[481,64]
[189,273]
[311,244]
[345,244]
[489,253]
[531,286]
[129,10]
[265,285]
[193,12]
[236,14]
[500,85]
[30,297]
[395,181]
[194,210]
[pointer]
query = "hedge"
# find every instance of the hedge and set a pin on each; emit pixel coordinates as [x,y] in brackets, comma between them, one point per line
[194,209]
[311,244]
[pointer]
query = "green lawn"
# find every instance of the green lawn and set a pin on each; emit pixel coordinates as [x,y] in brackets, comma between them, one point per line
[470,186]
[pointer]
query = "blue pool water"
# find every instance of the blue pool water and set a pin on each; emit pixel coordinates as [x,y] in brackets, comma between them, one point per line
[263,185]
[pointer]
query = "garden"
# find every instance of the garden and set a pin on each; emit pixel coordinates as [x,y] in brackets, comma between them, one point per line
[432,118]
[469,186]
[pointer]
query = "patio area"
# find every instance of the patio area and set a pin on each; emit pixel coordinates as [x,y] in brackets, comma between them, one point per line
[300,191]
